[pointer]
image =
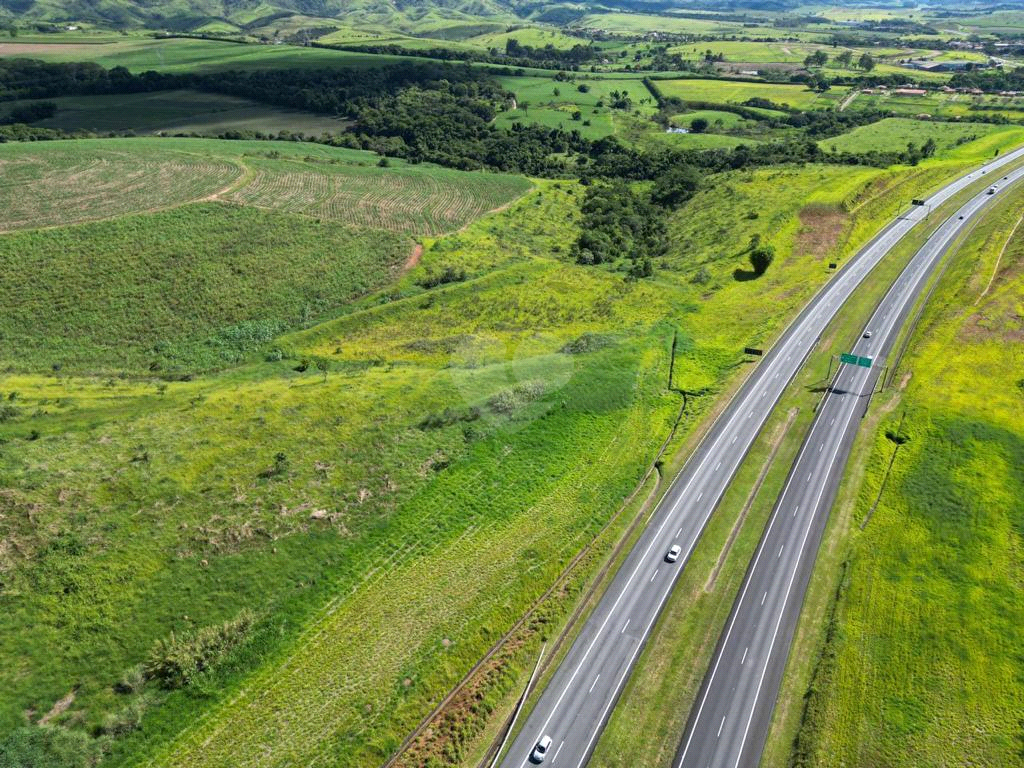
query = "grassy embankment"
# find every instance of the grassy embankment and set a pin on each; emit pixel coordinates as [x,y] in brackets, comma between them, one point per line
[652,713]
[920,666]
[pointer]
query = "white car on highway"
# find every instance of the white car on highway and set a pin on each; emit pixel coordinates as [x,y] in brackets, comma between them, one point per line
[673,554]
[541,750]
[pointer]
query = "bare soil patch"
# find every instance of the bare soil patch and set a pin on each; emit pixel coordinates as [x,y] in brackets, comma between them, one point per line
[414,258]
[821,230]
[59,708]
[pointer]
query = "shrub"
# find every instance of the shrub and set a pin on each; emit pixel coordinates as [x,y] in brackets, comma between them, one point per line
[761,258]
[48,746]
[449,274]
[179,660]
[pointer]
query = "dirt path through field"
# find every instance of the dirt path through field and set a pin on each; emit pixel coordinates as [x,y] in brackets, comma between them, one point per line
[414,258]
[999,258]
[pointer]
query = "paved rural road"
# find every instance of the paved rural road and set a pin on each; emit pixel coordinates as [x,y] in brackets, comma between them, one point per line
[729,724]
[575,705]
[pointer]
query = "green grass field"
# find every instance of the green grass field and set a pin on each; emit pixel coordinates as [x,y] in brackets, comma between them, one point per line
[723,91]
[921,644]
[193,287]
[179,112]
[953,140]
[544,107]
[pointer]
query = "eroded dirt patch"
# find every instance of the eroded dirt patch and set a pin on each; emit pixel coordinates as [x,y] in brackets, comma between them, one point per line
[822,228]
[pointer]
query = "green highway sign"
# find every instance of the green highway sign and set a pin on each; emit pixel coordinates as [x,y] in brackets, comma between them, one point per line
[863,362]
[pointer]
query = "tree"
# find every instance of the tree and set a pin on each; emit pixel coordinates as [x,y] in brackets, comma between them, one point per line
[583,88]
[845,58]
[698,125]
[866,62]
[816,59]
[761,258]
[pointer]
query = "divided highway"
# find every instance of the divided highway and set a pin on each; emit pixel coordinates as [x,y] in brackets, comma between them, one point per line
[575,705]
[729,724]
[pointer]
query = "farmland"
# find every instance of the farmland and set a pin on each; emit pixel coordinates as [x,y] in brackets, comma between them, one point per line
[411,199]
[920,644]
[61,183]
[185,55]
[66,182]
[292,434]
[179,112]
[954,140]
[796,96]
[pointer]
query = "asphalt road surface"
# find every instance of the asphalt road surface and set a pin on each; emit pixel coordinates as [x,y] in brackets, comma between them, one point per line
[729,724]
[575,704]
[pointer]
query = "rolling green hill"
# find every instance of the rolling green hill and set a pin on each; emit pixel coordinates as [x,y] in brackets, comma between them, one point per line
[228,16]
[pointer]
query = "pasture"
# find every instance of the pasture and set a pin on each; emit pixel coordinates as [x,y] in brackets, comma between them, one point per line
[191,55]
[730,92]
[551,103]
[953,140]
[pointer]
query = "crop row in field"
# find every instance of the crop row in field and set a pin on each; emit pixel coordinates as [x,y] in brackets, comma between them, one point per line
[63,183]
[418,199]
[66,182]
[197,286]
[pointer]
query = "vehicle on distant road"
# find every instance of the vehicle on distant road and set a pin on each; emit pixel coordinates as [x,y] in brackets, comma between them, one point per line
[867,334]
[541,750]
[673,554]
[992,190]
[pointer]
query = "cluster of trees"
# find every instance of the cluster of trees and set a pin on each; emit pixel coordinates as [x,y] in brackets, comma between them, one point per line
[620,222]
[992,80]
[515,54]
[30,113]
